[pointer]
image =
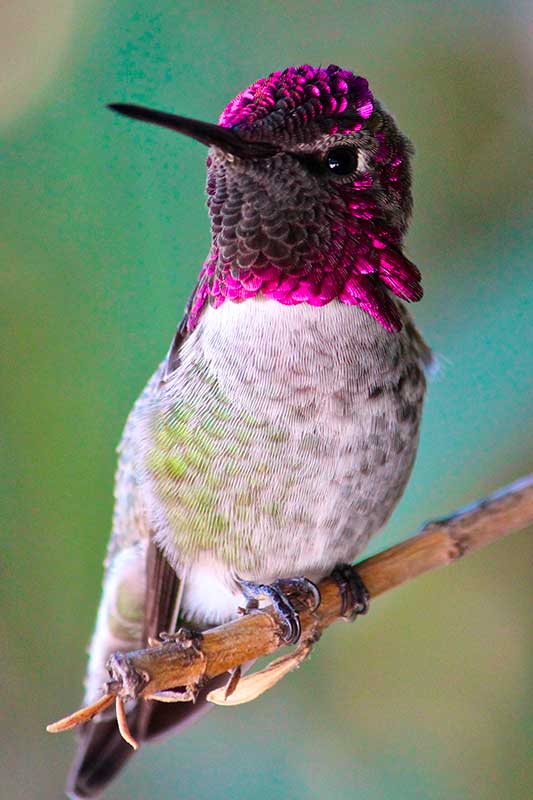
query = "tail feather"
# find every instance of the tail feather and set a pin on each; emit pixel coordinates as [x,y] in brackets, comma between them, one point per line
[102,752]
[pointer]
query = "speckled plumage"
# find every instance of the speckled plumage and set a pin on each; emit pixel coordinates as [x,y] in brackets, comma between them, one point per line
[282,230]
[280,431]
[294,445]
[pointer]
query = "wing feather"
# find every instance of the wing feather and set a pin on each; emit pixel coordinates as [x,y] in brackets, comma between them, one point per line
[101,750]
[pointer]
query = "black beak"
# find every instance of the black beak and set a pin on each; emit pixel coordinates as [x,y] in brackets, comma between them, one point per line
[227,139]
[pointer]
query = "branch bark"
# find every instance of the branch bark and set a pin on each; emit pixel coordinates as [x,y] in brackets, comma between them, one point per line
[185,662]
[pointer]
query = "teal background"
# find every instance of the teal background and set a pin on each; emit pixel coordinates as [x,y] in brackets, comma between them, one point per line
[103,229]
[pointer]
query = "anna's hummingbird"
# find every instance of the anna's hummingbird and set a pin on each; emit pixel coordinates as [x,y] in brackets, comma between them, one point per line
[279,432]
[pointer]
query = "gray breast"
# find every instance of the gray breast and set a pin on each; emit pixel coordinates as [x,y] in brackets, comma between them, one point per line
[308,423]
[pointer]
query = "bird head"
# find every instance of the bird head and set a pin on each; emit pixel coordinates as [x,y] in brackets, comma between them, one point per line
[309,194]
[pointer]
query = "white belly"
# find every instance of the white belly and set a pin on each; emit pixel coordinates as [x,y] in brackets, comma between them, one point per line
[317,413]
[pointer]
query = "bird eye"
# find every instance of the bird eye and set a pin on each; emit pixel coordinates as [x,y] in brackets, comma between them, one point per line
[341,160]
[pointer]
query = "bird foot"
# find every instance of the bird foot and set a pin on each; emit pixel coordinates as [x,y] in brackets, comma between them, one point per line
[185,637]
[355,596]
[188,640]
[187,694]
[288,596]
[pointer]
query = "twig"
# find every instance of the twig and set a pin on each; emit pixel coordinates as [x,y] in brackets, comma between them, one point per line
[122,723]
[222,649]
[83,715]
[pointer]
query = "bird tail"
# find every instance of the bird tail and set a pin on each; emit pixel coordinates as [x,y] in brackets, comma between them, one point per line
[102,752]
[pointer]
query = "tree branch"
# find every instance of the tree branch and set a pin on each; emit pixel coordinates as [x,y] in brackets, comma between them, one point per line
[186,661]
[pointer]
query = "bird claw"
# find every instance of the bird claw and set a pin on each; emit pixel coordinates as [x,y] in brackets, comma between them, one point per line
[285,595]
[186,637]
[354,594]
[188,694]
[302,593]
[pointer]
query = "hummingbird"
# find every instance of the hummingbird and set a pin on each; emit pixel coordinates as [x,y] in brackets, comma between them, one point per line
[280,430]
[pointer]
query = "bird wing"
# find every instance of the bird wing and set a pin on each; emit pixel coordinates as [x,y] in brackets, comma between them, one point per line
[140,600]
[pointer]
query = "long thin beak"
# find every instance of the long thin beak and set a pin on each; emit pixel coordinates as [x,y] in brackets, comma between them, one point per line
[226,139]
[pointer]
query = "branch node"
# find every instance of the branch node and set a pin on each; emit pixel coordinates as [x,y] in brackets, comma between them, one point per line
[126,679]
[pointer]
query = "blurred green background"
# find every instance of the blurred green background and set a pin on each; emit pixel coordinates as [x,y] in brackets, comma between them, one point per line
[103,229]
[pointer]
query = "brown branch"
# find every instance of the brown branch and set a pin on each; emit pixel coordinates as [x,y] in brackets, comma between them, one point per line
[186,662]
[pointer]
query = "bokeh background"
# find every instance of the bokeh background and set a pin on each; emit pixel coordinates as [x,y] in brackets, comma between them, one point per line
[103,229]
